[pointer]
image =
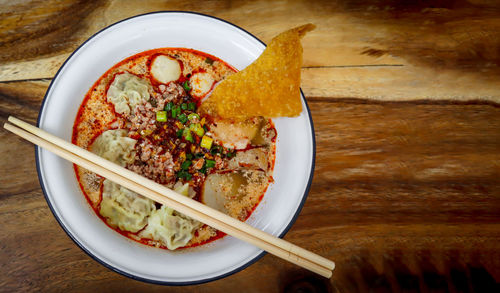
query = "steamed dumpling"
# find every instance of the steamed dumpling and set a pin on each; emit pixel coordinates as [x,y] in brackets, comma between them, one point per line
[121,207]
[170,228]
[115,146]
[127,91]
[165,69]
[124,208]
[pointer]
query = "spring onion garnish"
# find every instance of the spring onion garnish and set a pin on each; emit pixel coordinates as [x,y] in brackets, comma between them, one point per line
[206,142]
[184,106]
[192,106]
[185,165]
[161,116]
[179,124]
[182,118]
[184,174]
[168,106]
[210,163]
[187,135]
[230,154]
[189,156]
[196,128]
[176,110]
[193,116]
[179,133]
[186,86]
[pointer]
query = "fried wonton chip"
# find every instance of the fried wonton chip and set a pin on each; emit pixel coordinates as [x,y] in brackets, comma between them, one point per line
[268,87]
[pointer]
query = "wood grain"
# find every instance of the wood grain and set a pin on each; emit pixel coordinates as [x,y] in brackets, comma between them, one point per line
[395,199]
[405,195]
[377,49]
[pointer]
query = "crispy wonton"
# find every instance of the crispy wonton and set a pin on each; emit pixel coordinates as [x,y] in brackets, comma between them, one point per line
[269,87]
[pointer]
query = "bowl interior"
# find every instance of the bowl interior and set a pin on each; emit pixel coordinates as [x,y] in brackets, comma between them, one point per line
[276,212]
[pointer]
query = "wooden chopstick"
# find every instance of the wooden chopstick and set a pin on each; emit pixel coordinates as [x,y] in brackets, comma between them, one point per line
[293,249]
[123,179]
[159,193]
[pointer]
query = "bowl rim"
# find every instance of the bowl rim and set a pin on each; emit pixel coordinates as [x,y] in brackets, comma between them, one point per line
[132,276]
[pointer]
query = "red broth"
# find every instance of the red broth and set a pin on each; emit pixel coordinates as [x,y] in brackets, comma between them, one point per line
[96,115]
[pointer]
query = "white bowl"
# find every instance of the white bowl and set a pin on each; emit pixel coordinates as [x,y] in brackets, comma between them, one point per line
[275,214]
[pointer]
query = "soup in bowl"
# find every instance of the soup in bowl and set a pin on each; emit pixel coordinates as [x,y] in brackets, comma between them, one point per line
[130,94]
[142,114]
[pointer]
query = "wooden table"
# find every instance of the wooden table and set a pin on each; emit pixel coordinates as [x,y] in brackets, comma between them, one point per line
[404,98]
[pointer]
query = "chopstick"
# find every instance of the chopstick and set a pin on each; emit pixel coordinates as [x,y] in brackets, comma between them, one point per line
[164,195]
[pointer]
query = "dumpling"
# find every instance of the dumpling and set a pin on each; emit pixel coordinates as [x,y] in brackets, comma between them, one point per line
[170,228]
[115,146]
[121,207]
[127,91]
[165,69]
[124,208]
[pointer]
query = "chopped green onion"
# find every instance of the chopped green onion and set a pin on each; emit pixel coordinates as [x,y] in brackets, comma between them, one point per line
[192,106]
[196,128]
[210,163]
[209,61]
[199,155]
[203,169]
[205,127]
[184,106]
[179,133]
[193,116]
[168,106]
[189,156]
[184,174]
[206,142]
[176,110]
[182,118]
[186,86]
[161,116]
[185,165]
[187,135]
[230,154]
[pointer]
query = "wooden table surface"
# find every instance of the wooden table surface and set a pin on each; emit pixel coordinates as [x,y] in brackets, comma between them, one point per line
[404,98]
